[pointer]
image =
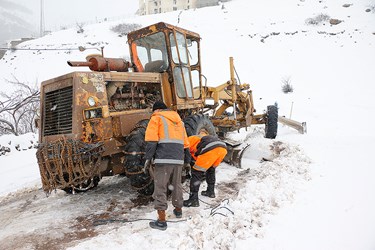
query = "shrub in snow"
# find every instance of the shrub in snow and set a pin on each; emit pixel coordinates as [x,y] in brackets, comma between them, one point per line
[317,19]
[124,28]
[371,8]
[4,150]
[286,85]
[80,28]
[334,21]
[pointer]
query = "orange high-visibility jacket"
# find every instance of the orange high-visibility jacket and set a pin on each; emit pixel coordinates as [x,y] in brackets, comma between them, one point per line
[166,138]
[193,141]
[210,152]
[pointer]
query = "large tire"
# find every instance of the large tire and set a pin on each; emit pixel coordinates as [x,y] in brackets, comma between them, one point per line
[89,184]
[134,159]
[271,122]
[194,123]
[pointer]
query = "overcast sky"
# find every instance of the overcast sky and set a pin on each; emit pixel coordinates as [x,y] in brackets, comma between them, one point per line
[69,12]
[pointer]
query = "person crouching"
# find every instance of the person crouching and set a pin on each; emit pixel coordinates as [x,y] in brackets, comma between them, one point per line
[210,152]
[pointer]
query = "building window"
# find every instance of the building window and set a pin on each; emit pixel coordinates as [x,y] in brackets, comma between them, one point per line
[174,2]
[155,11]
[174,8]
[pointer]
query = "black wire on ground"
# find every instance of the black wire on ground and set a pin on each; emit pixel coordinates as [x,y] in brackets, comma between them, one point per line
[214,208]
[214,211]
[107,221]
[211,205]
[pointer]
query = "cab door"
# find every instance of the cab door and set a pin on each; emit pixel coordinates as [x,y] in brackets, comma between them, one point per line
[181,69]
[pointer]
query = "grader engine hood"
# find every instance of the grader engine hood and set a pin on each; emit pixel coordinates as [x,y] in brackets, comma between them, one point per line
[85,117]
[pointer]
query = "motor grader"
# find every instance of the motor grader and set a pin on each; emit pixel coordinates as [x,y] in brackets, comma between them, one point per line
[93,122]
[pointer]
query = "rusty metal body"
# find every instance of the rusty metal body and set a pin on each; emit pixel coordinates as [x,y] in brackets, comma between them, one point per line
[97,63]
[67,116]
[86,117]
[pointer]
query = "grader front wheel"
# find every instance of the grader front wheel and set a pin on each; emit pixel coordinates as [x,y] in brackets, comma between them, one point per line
[271,122]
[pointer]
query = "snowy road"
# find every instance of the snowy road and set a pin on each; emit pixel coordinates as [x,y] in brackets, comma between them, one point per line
[247,196]
[30,220]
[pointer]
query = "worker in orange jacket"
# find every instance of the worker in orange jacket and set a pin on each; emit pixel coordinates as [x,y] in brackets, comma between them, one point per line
[168,146]
[207,153]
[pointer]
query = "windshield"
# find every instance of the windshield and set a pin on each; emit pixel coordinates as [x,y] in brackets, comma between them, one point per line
[150,53]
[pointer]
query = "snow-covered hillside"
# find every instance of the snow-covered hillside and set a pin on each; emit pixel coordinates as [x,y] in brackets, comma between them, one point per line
[317,192]
[14,22]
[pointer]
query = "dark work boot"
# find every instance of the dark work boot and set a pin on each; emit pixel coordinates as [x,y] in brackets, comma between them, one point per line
[160,223]
[210,192]
[177,212]
[192,201]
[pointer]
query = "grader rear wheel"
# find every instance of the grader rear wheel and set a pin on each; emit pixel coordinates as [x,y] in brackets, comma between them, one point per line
[87,185]
[134,159]
[194,123]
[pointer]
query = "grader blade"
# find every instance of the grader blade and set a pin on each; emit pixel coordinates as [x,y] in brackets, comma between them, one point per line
[301,127]
[235,152]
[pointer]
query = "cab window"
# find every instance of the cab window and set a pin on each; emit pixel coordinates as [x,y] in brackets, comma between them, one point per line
[181,72]
[150,53]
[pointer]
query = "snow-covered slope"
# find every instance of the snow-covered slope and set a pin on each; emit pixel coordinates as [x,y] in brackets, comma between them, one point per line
[14,22]
[318,192]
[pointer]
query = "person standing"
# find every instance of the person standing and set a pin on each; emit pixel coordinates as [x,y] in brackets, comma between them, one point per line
[208,153]
[167,144]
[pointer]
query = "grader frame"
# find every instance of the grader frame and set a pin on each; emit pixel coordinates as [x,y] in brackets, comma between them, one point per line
[93,122]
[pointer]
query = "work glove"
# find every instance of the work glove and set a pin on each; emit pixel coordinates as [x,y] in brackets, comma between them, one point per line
[186,170]
[146,166]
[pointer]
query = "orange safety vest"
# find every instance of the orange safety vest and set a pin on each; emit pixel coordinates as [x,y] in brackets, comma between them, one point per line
[210,159]
[209,152]
[193,141]
[166,128]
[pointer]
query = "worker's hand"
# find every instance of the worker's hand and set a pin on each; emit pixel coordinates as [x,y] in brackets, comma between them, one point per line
[186,170]
[146,167]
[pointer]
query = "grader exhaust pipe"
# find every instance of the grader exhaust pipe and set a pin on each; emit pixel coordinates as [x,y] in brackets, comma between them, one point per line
[103,64]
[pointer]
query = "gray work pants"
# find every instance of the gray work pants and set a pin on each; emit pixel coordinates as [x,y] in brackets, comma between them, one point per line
[167,176]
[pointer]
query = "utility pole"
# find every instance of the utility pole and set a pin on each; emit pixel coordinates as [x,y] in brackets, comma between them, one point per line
[41,18]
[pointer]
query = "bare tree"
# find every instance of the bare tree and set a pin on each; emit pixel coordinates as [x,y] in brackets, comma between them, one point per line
[18,110]
[80,27]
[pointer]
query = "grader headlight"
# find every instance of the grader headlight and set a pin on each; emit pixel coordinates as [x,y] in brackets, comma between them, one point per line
[91,101]
[93,113]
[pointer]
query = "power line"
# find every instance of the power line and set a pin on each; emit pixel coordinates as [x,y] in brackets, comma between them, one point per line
[80,49]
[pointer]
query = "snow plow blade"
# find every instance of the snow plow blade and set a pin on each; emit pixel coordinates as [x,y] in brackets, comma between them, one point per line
[299,126]
[235,152]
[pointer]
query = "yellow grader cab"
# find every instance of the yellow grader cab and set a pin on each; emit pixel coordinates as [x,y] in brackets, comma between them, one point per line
[93,122]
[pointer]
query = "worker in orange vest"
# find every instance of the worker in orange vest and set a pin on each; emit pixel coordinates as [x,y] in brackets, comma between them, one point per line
[207,153]
[168,146]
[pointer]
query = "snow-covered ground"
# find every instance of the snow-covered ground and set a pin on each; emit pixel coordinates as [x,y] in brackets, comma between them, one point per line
[317,192]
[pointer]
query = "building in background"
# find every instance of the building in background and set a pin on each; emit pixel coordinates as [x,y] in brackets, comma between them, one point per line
[147,7]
